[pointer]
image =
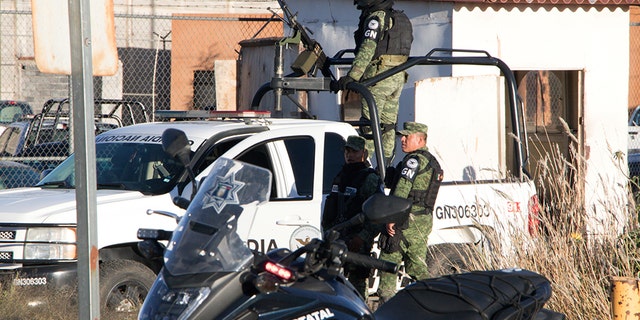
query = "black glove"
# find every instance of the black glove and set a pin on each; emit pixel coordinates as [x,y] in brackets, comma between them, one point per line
[390,177]
[355,244]
[342,82]
[334,86]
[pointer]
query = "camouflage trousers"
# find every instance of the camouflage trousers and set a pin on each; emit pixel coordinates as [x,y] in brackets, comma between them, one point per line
[359,276]
[386,94]
[414,255]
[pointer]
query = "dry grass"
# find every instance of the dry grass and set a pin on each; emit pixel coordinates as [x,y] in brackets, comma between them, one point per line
[54,305]
[580,267]
[13,305]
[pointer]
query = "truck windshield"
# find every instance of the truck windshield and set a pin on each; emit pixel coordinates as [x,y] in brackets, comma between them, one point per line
[143,167]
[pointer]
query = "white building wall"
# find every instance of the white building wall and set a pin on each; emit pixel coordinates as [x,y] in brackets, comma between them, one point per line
[334,21]
[595,41]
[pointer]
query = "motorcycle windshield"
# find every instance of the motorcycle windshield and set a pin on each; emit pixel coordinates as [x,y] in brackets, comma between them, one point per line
[206,239]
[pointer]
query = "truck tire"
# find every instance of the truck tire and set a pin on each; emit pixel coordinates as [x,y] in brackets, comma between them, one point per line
[449,258]
[123,285]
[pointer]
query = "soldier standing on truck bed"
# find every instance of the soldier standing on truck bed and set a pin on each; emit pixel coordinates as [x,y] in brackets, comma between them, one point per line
[416,178]
[383,41]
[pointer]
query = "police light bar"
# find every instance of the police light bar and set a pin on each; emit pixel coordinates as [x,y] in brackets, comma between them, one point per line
[210,114]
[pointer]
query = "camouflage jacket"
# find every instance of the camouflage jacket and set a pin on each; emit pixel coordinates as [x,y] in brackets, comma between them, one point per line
[365,51]
[412,175]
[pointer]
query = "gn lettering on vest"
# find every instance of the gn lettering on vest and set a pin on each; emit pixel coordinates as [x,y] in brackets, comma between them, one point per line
[371,34]
[408,173]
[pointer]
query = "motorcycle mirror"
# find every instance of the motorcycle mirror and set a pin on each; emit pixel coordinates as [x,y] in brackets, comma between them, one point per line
[380,208]
[182,203]
[176,144]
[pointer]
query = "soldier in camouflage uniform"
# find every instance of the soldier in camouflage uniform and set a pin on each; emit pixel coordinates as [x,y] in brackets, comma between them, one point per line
[356,182]
[417,178]
[383,41]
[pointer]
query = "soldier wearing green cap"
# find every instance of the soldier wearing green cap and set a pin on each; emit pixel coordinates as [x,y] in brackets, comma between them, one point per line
[356,182]
[417,177]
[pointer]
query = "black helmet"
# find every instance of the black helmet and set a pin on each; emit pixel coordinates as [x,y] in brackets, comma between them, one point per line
[365,4]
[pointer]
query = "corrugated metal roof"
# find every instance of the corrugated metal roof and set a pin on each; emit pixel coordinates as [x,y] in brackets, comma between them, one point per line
[585,3]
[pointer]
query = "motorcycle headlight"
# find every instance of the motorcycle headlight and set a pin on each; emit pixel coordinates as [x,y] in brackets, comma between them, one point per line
[193,298]
[163,302]
[50,244]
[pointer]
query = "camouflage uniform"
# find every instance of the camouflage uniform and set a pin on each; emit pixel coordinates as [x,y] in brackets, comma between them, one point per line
[366,65]
[351,187]
[413,174]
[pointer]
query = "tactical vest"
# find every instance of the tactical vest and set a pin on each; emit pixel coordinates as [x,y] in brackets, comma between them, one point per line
[424,198]
[395,40]
[342,205]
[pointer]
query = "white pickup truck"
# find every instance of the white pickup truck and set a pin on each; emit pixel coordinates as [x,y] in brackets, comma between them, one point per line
[38,225]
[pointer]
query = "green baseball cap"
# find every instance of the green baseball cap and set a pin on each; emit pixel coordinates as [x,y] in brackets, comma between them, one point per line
[355,143]
[413,127]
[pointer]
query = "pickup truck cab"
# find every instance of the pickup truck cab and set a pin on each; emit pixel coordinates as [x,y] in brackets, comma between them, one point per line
[134,174]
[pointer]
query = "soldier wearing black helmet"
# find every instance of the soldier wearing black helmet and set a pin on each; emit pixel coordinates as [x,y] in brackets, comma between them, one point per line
[383,41]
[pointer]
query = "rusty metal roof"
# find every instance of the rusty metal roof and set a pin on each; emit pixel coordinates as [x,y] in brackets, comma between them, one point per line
[582,3]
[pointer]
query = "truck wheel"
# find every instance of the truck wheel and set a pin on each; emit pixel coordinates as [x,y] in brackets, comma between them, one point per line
[449,258]
[123,285]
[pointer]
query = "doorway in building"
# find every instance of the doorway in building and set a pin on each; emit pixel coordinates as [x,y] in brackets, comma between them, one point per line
[554,111]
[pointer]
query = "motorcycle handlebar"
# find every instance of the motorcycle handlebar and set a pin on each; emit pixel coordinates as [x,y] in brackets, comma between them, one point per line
[371,262]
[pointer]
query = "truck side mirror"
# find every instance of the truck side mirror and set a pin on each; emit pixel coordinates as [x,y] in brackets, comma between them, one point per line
[176,144]
[45,173]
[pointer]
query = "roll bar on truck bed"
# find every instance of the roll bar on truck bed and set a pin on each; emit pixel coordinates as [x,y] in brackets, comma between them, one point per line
[289,84]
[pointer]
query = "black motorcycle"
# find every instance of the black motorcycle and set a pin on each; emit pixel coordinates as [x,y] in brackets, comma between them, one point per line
[209,272]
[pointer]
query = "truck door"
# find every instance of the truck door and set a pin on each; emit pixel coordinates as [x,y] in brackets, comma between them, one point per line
[554,113]
[291,218]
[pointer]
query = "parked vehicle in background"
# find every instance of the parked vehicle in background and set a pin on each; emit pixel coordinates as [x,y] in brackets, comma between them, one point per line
[633,149]
[43,140]
[15,175]
[12,111]
[634,131]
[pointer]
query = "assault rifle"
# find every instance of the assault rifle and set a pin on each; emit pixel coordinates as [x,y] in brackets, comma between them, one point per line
[313,57]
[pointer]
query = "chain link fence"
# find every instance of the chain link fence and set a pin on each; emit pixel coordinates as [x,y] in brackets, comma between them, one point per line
[634,58]
[178,61]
